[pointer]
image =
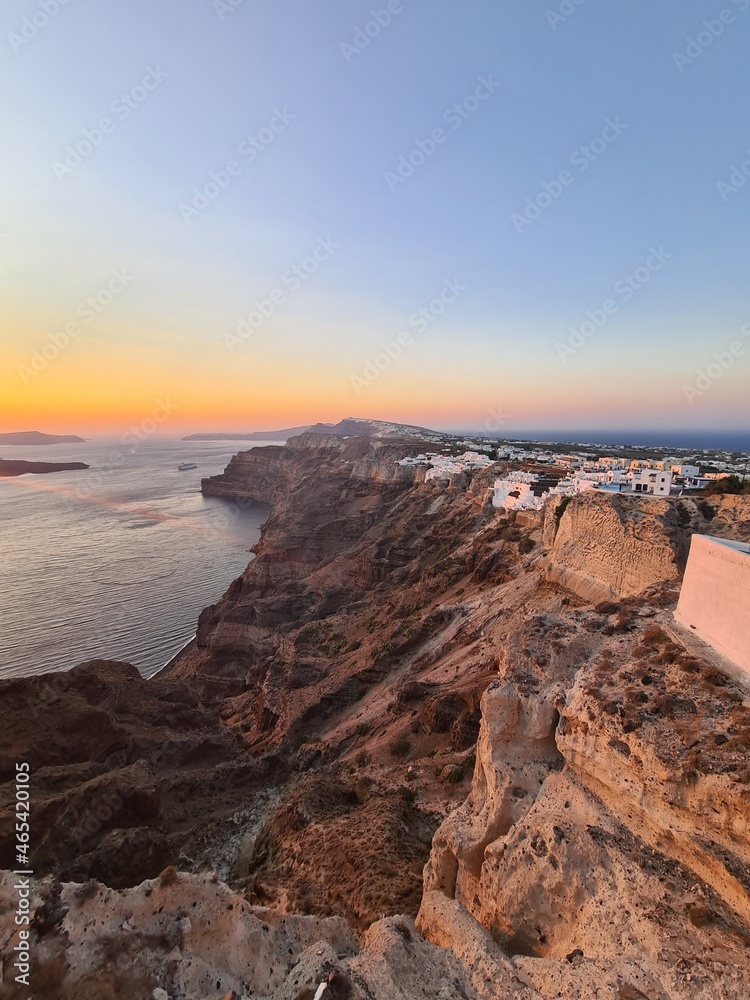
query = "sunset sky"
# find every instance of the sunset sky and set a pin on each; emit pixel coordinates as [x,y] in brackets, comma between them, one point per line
[629,137]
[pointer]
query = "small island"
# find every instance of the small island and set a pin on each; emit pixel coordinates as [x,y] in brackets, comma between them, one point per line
[13,467]
[37,438]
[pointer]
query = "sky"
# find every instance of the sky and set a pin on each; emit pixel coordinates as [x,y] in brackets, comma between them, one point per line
[250,214]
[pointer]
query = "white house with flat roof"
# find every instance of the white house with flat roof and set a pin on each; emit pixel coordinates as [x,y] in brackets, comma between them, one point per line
[652,481]
[686,471]
[715,597]
[514,492]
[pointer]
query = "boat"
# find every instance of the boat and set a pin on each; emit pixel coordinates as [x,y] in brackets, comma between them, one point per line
[184,466]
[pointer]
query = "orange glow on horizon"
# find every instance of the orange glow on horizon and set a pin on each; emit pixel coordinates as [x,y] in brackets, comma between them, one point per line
[109,390]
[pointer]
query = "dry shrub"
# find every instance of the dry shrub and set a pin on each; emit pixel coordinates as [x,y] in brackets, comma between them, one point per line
[169,876]
[399,747]
[362,787]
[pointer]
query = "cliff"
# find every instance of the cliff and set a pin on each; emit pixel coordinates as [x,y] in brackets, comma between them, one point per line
[605,546]
[405,679]
[606,837]
[128,775]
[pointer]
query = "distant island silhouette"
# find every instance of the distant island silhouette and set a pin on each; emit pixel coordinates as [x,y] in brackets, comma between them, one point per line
[36,437]
[11,467]
[252,436]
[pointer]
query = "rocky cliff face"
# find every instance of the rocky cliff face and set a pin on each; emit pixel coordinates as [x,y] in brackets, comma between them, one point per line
[404,678]
[610,546]
[128,775]
[607,824]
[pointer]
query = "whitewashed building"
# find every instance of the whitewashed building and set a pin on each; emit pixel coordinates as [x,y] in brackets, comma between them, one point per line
[686,471]
[652,481]
[515,493]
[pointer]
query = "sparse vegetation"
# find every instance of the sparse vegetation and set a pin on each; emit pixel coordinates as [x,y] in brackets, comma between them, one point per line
[369,623]
[653,636]
[384,650]
[168,877]
[510,534]
[729,484]
[399,747]
[362,787]
[455,776]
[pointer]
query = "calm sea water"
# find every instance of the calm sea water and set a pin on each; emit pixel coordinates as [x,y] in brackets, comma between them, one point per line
[116,561]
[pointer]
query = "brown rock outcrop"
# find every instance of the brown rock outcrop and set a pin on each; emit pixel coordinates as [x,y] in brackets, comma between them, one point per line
[607,821]
[125,773]
[609,546]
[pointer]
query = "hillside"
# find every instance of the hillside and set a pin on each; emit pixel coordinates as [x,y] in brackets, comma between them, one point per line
[365,427]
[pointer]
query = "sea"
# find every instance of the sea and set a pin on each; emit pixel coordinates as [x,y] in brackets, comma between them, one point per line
[695,440]
[118,560]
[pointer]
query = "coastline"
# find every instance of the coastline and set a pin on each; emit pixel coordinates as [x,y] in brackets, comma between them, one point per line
[126,555]
[190,644]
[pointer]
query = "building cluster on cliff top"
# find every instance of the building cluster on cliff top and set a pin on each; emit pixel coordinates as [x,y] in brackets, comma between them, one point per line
[568,474]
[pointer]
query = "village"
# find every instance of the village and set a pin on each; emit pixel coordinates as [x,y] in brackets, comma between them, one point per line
[531,474]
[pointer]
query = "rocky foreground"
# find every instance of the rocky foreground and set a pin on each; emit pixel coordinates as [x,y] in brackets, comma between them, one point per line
[420,749]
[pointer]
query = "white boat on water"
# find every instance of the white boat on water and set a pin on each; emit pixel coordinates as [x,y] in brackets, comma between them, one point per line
[184,466]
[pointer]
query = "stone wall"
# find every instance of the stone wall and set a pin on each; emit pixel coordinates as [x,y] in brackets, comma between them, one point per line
[715,596]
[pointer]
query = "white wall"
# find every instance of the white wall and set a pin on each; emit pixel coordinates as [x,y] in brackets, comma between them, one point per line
[686,471]
[653,482]
[715,596]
